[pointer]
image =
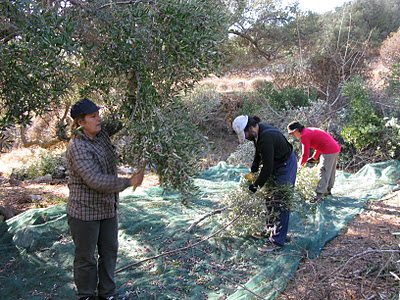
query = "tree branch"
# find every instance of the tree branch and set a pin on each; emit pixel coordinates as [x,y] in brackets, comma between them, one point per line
[42,144]
[127,2]
[266,55]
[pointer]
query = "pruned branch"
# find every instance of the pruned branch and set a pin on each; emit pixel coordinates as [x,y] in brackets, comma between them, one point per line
[217,211]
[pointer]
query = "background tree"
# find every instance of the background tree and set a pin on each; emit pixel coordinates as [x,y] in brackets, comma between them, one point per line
[263,28]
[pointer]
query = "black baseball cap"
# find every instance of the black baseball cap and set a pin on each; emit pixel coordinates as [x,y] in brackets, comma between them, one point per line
[83,106]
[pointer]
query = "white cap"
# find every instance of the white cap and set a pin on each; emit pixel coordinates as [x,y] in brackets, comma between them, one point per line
[238,125]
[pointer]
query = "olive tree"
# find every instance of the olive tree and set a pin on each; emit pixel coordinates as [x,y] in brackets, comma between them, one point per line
[135,57]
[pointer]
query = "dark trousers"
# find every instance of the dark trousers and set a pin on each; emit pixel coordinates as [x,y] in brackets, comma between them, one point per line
[91,273]
[283,175]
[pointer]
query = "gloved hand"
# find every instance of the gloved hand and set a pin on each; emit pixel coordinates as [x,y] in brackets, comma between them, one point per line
[312,160]
[249,176]
[252,188]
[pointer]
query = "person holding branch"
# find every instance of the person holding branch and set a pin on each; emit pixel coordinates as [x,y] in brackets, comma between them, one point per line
[275,157]
[93,201]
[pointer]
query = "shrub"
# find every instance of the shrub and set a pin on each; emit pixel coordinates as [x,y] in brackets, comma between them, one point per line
[48,162]
[251,103]
[284,99]
[363,125]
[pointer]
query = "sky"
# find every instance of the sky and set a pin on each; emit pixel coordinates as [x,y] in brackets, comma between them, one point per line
[320,6]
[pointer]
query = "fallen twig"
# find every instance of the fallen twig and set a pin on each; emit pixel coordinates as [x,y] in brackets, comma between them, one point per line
[339,270]
[217,211]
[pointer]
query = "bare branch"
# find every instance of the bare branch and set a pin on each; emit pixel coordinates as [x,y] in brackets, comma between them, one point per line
[42,144]
[126,2]
[267,56]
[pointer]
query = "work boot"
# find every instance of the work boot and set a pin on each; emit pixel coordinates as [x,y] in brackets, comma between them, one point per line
[270,247]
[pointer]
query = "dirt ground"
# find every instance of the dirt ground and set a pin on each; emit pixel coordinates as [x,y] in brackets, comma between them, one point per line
[362,262]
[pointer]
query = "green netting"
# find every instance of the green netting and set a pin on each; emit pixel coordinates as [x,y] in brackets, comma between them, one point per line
[37,251]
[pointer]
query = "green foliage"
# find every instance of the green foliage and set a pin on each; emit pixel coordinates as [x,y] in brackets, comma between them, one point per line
[285,99]
[171,145]
[363,126]
[260,29]
[34,64]
[391,138]
[251,104]
[163,49]
[248,206]
[251,207]
[47,162]
[306,182]
[373,20]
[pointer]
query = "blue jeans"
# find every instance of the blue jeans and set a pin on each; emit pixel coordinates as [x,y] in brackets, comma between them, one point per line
[285,174]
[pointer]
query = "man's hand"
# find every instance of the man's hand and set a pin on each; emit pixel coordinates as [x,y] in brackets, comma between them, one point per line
[252,188]
[137,179]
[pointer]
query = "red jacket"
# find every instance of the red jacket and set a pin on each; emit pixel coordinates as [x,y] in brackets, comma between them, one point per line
[319,140]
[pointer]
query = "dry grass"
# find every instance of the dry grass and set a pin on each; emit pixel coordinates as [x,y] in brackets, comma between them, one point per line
[231,84]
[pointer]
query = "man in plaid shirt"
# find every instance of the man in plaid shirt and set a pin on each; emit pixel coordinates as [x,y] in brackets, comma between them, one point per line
[94,188]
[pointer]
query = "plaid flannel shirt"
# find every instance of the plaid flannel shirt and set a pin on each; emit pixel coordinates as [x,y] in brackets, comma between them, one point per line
[93,184]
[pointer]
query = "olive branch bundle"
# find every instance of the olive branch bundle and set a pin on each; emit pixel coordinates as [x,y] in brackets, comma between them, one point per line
[251,210]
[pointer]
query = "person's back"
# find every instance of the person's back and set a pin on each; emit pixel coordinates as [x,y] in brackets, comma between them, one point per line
[319,140]
[270,137]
